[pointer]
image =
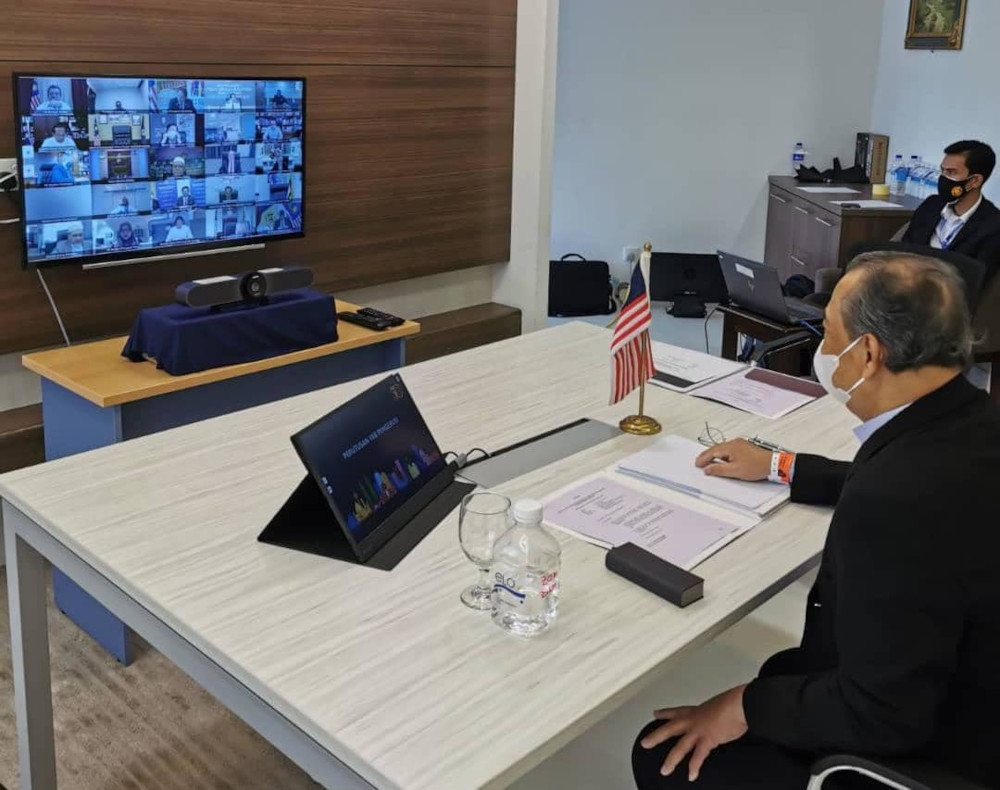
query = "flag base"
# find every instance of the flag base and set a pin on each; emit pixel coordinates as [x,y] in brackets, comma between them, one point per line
[640,424]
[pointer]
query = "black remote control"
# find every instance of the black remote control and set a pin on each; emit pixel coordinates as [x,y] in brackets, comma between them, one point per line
[363,320]
[392,320]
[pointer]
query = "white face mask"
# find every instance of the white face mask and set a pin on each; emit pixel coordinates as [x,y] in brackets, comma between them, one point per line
[825,366]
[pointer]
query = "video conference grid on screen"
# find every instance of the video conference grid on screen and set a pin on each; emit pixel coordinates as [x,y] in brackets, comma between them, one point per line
[119,165]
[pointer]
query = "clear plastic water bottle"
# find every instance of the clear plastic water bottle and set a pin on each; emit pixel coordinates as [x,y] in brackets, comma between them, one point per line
[897,186]
[930,186]
[525,572]
[799,155]
[914,176]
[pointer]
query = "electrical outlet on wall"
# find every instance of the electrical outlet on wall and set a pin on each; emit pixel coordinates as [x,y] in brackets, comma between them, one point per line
[630,255]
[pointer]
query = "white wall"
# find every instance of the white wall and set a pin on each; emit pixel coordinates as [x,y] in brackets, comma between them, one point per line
[523,282]
[18,387]
[670,114]
[926,100]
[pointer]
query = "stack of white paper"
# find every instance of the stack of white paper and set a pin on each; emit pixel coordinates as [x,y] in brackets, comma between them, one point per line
[669,462]
[829,190]
[604,511]
[761,392]
[868,203]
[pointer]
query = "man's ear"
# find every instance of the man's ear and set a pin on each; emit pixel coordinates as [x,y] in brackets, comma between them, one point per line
[874,354]
[977,182]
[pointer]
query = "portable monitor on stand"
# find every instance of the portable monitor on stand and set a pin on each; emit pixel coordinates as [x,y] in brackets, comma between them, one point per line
[377,483]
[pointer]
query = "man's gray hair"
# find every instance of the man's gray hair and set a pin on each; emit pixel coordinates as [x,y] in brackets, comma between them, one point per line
[915,305]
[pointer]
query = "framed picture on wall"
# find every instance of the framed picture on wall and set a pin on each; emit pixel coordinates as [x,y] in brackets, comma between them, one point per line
[936,24]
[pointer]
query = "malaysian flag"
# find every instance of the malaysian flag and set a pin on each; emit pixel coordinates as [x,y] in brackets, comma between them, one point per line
[36,96]
[154,105]
[631,331]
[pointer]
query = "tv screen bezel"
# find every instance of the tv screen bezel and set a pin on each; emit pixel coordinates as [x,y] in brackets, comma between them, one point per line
[174,250]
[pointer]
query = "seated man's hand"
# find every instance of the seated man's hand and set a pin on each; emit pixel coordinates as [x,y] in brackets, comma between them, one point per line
[737,459]
[699,730]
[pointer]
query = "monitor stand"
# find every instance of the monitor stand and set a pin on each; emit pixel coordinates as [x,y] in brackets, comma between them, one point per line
[306,523]
[687,306]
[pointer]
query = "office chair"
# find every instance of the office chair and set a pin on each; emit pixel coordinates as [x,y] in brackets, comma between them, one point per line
[984,302]
[897,774]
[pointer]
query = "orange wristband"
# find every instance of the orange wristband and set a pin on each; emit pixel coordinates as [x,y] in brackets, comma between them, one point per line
[785,463]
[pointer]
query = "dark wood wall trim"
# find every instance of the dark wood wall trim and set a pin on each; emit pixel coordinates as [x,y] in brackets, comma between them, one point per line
[459,330]
[253,32]
[408,144]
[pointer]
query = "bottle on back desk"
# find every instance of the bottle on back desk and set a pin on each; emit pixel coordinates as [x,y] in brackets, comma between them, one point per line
[525,571]
[798,157]
[897,184]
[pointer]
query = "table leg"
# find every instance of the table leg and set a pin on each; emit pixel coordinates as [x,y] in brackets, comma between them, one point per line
[29,643]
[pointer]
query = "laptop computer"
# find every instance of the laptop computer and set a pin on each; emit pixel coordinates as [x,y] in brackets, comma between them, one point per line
[755,287]
[377,484]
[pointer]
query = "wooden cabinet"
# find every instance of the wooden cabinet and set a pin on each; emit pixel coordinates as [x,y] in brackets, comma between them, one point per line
[815,239]
[807,231]
[778,242]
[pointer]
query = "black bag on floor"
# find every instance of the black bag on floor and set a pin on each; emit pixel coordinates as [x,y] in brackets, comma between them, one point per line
[579,287]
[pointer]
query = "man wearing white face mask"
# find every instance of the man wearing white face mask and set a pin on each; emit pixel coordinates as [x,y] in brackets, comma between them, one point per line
[901,649]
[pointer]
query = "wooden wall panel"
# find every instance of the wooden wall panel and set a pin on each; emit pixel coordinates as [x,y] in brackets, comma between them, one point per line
[408,168]
[294,32]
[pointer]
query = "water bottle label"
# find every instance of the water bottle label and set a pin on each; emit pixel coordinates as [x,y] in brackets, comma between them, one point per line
[506,590]
[550,582]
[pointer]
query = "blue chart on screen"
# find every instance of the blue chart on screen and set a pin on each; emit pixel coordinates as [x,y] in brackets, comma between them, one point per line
[124,167]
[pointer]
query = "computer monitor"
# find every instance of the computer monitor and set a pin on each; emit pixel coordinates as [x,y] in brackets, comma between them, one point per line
[673,274]
[371,458]
[156,154]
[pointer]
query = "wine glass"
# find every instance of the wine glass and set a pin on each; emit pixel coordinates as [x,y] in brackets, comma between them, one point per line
[483,518]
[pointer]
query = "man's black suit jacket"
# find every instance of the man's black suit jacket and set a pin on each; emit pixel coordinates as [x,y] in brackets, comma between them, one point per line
[979,238]
[901,650]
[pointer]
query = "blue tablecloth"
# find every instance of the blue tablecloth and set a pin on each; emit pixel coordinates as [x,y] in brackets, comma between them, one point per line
[186,340]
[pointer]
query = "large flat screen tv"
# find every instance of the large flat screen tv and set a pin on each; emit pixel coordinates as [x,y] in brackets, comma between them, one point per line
[116,168]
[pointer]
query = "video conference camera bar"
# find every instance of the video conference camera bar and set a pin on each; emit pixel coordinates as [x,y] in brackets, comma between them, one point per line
[249,288]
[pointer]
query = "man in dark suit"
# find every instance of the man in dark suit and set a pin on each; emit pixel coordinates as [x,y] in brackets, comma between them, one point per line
[959,218]
[901,649]
[181,102]
[185,199]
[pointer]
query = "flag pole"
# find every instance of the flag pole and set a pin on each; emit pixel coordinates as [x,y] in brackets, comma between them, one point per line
[641,424]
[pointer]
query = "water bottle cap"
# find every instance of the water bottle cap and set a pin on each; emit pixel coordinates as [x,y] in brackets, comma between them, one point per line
[528,511]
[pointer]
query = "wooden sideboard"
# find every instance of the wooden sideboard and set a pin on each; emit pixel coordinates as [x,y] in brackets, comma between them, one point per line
[807,231]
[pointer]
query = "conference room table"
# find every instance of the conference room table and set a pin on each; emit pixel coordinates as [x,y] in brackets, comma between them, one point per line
[366,678]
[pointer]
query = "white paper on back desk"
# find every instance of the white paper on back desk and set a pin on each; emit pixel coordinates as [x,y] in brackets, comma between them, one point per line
[609,510]
[681,369]
[669,462]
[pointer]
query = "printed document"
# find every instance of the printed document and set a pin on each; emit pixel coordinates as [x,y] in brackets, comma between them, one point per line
[745,391]
[681,369]
[607,513]
[669,462]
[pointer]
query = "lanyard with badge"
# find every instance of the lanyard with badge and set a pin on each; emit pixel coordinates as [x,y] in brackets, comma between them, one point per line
[956,228]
